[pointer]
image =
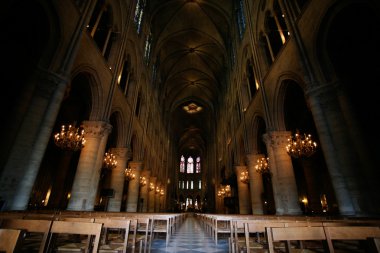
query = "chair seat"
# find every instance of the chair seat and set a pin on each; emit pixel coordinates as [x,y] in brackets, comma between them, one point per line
[110,248]
[72,247]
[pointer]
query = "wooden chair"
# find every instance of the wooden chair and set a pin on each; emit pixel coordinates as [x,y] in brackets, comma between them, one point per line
[11,239]
[160,225]
[353,233]
[90,231]
[37,232]
[115,235]
[278,234]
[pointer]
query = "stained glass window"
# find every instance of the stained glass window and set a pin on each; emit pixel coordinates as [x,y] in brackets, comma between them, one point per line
[190,165]
[198,165]
[182,165]
[139,13]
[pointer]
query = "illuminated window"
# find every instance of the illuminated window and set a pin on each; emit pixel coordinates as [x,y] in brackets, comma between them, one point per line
[190,165]
[200,184]
[198,165]
[191,184]
[182,165]
[148,44]
[139,13]
[240,18]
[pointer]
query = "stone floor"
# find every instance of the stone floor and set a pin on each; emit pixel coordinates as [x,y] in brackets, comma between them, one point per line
[190,237]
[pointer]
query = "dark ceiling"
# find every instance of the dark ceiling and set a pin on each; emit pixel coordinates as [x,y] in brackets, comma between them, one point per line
[191,38]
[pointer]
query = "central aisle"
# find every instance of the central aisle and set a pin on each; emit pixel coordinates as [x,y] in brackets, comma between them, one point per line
[190,237]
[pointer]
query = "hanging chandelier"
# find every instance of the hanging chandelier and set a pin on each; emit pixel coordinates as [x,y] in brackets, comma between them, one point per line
[142,181]
[244,177]
[151,187]
[262,165]
[70,138]
[301,145]
[109,160]
[129,175]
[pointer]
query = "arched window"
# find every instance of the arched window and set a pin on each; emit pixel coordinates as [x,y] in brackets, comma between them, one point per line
[148,44]
[182,165]
[139,13]
[198,165]
[190,165]
[241,18]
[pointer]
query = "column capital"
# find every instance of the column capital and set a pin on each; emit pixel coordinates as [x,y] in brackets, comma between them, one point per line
[252,158]
[96,128]
[277,138]
[136,165]
[120,152]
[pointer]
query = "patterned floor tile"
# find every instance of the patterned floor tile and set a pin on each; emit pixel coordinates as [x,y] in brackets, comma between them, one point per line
[189,238]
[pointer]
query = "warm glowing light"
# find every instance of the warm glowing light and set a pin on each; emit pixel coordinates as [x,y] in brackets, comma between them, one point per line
[262,165]
[70,138]
[129,175]
[192,108]
[244,177]
[109,160]
[301,145]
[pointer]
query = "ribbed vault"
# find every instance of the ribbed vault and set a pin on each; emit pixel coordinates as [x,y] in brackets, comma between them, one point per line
[191,40]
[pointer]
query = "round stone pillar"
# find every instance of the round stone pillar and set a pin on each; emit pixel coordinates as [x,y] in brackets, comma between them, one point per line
[243,190]
[144,191]
[283,179]
[255,184]
[86,180]
[152,198]
[134,186]
[118,179]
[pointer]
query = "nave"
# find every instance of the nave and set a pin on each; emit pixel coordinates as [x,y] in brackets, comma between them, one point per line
[190,237]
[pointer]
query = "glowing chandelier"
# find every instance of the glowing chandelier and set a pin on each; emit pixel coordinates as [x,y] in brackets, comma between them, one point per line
[301,146]
[244,177]
[262,165]
[151,187]
[109,160]
[129,175]
[225,191]
[70,138]
[142,181]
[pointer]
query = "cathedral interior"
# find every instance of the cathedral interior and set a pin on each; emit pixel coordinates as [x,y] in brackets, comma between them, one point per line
[189,105]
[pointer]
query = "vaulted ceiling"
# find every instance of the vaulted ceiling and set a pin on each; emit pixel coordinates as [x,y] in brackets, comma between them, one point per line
[191,38]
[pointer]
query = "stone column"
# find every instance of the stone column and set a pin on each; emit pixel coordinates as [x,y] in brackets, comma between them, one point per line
[255,184]
[144,190]
[330,122]
[243,191]
[157,198]
[134,186]
[86,180]
[152,198]
[284,182]
[118,179]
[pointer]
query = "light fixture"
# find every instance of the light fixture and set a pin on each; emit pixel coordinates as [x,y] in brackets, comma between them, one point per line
[225,191]
[157,190]
[262,165]
[192,108]
[109,160]
[301,145]
[129,175]
[70,138]
[142,181]
[162,192]
[151,187]
[244,177]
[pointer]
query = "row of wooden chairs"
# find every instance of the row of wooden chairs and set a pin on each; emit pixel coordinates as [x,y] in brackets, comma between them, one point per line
[86,232]
[262,233]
